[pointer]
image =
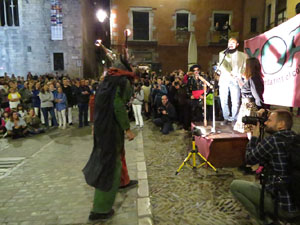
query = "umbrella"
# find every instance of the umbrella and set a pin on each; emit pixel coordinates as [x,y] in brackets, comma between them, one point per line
[192,52]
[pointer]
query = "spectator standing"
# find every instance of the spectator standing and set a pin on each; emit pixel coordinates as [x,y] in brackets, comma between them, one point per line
[4,103]
[252,89]
[47,106]
[53,89]
[36,102]
[83,96]
[157,91]
[67,89]
[196,92]
[61,105]
[92,100]
[13,98]
[137,103]
[181,104]
[26,95]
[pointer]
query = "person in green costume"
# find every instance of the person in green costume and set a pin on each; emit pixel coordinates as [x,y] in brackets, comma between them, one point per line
[103,169]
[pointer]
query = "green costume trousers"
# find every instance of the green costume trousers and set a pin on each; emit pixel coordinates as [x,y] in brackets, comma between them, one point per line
[103,201]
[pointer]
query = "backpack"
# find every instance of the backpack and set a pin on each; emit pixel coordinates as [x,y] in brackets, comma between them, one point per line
[294,169]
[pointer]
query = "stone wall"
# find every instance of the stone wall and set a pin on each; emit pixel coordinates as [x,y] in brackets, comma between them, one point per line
[290,8]
[29,47]
[168,46]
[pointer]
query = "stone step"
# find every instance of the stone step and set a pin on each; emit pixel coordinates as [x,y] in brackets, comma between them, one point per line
[8,163]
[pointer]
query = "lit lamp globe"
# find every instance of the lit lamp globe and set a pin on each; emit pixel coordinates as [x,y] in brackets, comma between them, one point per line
[127,32]
[98,42]
[101,15]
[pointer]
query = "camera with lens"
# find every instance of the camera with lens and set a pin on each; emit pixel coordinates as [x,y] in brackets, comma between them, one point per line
[254,119]
[160,109]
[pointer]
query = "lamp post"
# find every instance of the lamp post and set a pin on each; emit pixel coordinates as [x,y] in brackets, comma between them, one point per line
[103,17]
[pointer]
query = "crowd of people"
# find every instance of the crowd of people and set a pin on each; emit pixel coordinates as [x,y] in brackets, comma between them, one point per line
[40,102]
[33,104]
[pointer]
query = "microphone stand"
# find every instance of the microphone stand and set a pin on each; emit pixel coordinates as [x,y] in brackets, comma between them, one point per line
[206,83]
[213,129]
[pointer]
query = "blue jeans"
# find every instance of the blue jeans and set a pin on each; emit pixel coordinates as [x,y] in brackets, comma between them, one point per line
[83,114]
[45,114]
[234,91]
[166,127]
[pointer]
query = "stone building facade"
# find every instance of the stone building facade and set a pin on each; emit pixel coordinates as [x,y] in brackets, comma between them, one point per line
[28,41]
[169,24]
[278,11]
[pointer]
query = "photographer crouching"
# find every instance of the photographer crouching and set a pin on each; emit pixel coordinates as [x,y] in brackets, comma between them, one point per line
[276,201]
[166,116]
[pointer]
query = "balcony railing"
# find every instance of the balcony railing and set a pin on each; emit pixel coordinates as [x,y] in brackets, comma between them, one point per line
[220,38]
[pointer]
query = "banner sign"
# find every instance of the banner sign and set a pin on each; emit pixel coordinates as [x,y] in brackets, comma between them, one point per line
[278,51]
[56,20]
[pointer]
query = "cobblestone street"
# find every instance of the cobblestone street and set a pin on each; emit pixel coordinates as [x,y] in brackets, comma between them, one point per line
[45,185]
[198,196]
[48,187]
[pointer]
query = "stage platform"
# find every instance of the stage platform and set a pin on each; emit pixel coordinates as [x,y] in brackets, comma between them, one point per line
[223,148]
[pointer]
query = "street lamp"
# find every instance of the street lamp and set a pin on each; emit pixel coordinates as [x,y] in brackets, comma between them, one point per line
[101,15]
[98,42]
[127,32]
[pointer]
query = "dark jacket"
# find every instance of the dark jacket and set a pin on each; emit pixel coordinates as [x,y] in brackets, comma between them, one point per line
[83,98]
[69,94]
[171,112]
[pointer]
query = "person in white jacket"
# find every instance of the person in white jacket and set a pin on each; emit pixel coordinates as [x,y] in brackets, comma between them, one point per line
[137,104]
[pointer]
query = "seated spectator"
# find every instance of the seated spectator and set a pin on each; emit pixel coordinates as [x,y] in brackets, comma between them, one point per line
[33,123]
[22,112]
[2,126]
[13,98]
[167,115]
[6,116]
[16,126]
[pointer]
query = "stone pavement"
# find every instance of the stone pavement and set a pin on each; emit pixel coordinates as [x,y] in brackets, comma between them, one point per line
[45,185]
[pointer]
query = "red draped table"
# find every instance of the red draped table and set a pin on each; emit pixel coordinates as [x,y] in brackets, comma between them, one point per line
[224,149]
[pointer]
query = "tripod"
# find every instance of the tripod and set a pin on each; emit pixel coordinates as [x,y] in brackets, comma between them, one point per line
[193,154]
